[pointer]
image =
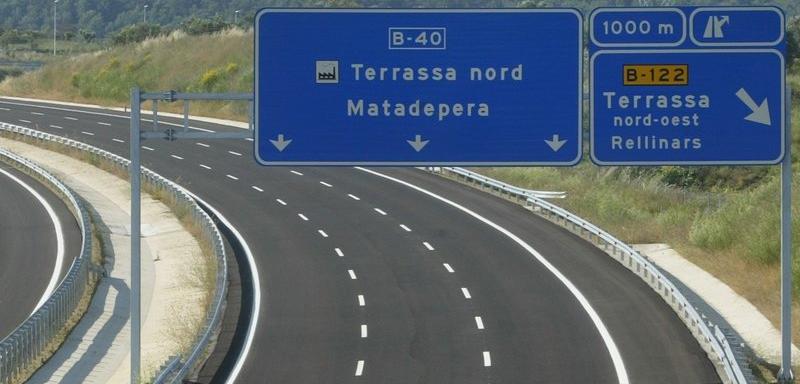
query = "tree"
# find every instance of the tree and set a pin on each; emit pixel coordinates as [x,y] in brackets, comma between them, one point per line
[136,33]
[87,36]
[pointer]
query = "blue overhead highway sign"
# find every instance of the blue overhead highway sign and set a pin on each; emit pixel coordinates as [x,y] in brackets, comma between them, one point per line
[418,87]
[714,98]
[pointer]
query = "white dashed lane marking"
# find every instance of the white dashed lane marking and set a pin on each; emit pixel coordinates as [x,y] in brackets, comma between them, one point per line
[466,293]
[361,301]
[281,202]
[380,211]
[360,368]
[87,133]
[176,157]
[405,228]
[448,268]
[257,188]
[234,153]
[147,148]
[363,331]
[479,322]
[56,126]
[24,121]
[302,216]
[37,113]
[70,118]
[296,173]
[118,140]
[487,359]
[105,124]
[203,145]
[322,233]
[339,252]
[428,245]
[354,197]
[205,166]
[232,177]
[325,184]
[352,274]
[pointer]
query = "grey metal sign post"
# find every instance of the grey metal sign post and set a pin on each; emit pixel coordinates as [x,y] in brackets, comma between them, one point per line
[136,135]
[786,375]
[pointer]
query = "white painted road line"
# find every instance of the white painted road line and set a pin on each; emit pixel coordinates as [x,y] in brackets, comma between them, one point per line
[203,145]
[339,252]
[54,278]
[147,148]
[302,216]
[102,123]
[487,359]
[360,368]
[363,331]
[37,113]
[118,140]
[4,109]
[257,188]
[380,211]
[352,274]
[70,118]
[296,173]
[205,166]
[428,245]
[325,184]
[24,121]
[354,197]
[87,133]
[361,301]
[281,202]
[405,228]
[234,153]
[322,233]
[232,177]
[466,293]
[611,346]
[448,268]
[479,322]
[176,157]
[56,126]
[248,139]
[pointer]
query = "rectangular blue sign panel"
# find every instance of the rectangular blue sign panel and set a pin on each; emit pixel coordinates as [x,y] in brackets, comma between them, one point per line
[418,87]
[692,104]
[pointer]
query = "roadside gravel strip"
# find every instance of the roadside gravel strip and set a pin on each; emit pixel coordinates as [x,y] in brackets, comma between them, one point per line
[97,350]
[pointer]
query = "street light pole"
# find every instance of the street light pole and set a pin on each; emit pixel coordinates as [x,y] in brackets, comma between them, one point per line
[145,13]
[236,17]
[55,3]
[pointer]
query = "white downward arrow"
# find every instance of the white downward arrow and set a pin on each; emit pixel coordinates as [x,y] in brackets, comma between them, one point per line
[418,143]
[280,144]
[556,143]
[760,113]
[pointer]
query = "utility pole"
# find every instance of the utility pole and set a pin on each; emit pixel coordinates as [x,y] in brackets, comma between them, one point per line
[145,13]
[236,16]
[55,3]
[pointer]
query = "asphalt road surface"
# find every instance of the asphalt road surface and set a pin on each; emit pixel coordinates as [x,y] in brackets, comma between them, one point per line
[397,276]
[31,261]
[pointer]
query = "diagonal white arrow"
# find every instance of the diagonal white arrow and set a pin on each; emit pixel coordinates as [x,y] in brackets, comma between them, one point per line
[760,113]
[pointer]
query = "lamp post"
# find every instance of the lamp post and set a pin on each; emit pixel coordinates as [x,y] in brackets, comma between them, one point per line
[236,16]
[145,13]
[55,3]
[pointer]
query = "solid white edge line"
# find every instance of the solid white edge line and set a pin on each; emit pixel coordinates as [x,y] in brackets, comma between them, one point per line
[360,368]
[51,285]
[616,358]
[466,293]
[487,359]
[256,310]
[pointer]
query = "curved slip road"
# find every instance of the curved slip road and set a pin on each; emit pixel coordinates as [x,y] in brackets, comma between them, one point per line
[370,279]
[29,245]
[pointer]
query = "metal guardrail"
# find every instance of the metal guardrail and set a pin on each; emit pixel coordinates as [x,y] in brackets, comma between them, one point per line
[32,342]
[709,335]
[500,186]
[171,371]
